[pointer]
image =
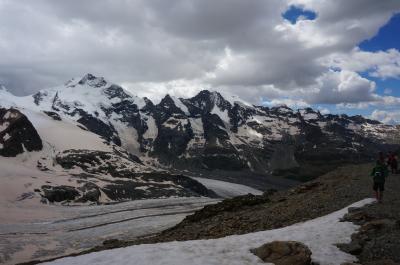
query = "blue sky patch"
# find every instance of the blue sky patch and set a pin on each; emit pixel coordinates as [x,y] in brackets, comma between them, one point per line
[295,13]
[388,37]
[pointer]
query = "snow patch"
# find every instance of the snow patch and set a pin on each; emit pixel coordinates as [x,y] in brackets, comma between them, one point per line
[152,130]
[64,134]
[178,103]
[222,114]
[6,137]
[226,189]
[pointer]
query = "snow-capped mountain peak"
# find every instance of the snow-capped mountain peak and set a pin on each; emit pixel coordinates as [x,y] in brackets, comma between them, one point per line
[310,114]
[202,128]
[93,81]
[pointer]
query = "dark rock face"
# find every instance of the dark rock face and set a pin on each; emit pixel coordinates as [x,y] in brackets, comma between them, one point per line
[132,190]
[53,115]
[17,133]
[174,130]
[138,186]
[38,97]
[93,81]
[93,124]
[117,163]
[284,253]
[59,193]
[133,180]
[91,192]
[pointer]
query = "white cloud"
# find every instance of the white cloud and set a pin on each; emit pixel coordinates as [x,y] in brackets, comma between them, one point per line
[387,91]
[343,87]
[156,91]
[381,64]
[291,103]
[389,100]
[324,111]
[386,116]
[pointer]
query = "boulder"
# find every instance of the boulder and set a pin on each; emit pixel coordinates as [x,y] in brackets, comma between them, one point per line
[354,247]
[284,253]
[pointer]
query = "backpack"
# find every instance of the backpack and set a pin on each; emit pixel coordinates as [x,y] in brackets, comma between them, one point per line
[378,175]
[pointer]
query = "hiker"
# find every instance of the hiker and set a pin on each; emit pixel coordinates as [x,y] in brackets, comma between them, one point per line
[379,174]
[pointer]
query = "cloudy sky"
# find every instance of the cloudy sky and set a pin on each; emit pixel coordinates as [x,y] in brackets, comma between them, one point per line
[334,55]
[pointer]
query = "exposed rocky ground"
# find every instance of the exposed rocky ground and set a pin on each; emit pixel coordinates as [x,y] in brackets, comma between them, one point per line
[378,240]
[129,179]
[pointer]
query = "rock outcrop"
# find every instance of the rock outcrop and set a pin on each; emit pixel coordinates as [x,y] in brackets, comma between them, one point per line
[17,134]
[284,253]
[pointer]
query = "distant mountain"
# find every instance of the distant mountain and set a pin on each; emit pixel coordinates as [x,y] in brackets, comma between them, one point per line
[101,129]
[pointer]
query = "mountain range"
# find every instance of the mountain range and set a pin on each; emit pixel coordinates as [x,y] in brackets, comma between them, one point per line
[105,144]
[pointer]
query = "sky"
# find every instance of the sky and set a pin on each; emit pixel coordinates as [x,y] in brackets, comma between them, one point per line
[337,56]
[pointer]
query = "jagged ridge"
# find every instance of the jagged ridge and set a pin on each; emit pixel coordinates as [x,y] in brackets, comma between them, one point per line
[213,132]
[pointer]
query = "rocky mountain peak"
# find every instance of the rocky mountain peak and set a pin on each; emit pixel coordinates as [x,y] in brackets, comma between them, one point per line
[166,100]
[282,109]
[92,81]
[171,105]
[310,114]
[206,100]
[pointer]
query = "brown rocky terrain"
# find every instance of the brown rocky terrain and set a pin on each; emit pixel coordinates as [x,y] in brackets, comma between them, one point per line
[246,214]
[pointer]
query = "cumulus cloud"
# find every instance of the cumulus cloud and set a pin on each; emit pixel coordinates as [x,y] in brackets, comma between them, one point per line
[156,91]
[291,103]
[343,87]
[381,64]
[324,111]
[179,47]
[386,116]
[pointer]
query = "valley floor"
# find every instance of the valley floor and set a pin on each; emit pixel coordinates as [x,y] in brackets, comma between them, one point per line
[77,228]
